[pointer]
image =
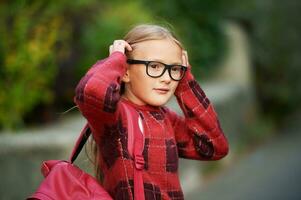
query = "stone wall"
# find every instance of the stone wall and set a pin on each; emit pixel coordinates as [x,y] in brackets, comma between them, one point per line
[21,155]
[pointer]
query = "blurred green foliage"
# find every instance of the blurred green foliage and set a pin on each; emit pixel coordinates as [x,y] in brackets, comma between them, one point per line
[46,46]
[35,40]
[107,24]
[28,37]
[199,26]
[41,40]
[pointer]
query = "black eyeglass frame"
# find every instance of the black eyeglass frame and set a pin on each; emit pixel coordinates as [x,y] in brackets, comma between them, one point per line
[166,67]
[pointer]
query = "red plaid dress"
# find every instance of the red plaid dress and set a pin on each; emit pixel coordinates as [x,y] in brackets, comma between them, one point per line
[168,136]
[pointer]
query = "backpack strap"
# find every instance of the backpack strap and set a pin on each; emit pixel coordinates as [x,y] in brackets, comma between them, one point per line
[135,147]
[86,132]
[82,139]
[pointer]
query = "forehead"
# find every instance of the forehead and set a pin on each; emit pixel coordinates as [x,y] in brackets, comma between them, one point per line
[164,50]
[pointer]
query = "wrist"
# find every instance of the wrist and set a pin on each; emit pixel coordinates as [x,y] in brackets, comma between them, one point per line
[184,83]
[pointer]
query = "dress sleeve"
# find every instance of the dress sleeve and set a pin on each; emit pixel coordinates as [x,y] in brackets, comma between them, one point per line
[97,95]
[198,134]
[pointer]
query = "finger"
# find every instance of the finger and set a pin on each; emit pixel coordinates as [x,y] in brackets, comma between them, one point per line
[128,46]
[110,49]
[184,60]
[187,59]
[118,42]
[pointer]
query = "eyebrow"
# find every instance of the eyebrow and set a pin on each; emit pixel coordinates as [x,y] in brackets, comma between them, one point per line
[175,63]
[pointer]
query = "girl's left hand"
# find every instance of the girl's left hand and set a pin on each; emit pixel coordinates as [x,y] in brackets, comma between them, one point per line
[185,60]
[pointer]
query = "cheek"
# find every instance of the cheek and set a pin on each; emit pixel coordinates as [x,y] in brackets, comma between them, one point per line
[137,75]
[175,85]
[140,80]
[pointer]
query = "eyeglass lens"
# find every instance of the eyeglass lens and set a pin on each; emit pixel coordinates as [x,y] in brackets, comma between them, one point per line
[156,69]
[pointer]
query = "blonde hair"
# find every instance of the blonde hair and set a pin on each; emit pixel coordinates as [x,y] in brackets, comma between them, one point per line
[145,32]
[139,33]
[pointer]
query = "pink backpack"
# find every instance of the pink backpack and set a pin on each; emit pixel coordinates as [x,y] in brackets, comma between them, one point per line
[65,181]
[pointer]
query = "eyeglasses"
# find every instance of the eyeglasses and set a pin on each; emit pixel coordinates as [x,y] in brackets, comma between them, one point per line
[156,69]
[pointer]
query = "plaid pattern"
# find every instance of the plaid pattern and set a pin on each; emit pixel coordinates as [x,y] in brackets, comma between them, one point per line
[197,135]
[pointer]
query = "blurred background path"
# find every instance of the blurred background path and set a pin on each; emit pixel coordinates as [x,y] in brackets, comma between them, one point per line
[270,172]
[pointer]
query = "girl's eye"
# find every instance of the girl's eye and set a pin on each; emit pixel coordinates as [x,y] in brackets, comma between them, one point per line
[176,68]
[156,66]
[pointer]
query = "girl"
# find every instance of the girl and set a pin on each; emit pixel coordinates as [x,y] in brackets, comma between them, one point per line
[143,71]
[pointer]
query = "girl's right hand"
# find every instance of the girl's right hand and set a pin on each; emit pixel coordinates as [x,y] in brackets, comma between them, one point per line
[120,45]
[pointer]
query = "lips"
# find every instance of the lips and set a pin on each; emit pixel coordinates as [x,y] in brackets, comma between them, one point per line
[161,90]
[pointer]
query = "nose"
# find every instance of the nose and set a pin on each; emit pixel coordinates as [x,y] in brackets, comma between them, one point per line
[166,77]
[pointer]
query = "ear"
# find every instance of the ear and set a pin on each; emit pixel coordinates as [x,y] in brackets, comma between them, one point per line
[126,77]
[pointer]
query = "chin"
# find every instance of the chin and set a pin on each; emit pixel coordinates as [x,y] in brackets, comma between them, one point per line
[158,102]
